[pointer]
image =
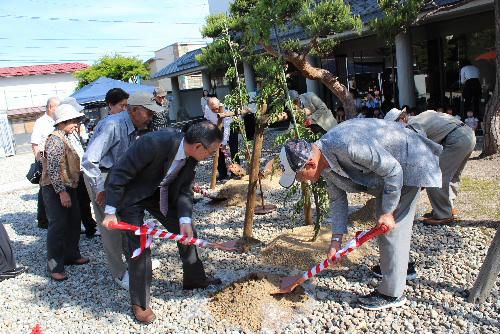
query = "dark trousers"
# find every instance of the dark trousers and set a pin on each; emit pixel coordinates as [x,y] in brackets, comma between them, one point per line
[472,95]
[85,211]
[249,120]
[63,234]
[7,259]
[41,215]
[139,268]
[233,147]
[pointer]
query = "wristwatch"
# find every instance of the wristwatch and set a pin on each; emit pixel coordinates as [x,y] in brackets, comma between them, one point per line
[338,239]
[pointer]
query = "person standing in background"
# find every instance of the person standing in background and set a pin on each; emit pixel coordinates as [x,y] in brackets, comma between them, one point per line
[471,93]
[116,99]
[160,119]
[41,130]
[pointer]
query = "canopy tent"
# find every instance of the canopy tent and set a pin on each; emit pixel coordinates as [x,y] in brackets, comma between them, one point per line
[96,91]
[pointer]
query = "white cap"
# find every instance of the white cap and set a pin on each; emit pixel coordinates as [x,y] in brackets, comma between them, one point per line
[393,115]
[65,112]
[288,177]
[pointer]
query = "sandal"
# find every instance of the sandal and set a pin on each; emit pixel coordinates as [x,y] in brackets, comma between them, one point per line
[59,277]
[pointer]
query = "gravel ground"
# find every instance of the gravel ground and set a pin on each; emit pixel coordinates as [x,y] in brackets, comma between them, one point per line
[448,259]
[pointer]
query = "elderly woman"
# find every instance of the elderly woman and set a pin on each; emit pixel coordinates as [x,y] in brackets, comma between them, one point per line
[60,176]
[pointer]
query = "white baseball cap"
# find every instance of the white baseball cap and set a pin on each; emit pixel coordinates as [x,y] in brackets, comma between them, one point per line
[393,115]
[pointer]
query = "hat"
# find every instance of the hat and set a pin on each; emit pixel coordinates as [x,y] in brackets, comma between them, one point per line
[293,156]
[159,91]
[393,115]
[145,100]
[65,112]
[293,94]
[72,101]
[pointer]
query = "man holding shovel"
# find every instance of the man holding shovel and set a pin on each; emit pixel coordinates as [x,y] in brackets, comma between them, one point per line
[156,175]
[379,158]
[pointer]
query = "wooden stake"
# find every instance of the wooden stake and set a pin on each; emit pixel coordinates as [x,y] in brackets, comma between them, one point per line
[487,274]
[215,164]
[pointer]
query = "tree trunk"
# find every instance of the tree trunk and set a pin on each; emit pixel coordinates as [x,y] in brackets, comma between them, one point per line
[328,79]
[491,118]
[215,164]
[488,273]
[254,172]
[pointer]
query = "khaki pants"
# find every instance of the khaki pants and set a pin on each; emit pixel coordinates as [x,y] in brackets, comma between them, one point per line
[113,241]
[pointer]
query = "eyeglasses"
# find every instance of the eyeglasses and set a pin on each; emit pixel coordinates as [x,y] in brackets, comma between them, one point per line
[209,152]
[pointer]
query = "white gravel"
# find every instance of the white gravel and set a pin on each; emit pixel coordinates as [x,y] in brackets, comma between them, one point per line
[448,259]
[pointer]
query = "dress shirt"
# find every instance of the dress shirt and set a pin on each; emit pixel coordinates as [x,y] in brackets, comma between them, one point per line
[212,118]
[468,72]
[112,137]
[43,127]
[179,156]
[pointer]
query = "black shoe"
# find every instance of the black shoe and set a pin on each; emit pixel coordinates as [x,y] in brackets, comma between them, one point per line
[43,225]
[12,273]
[411,273]
[201,285]
[90,233]
[377,301]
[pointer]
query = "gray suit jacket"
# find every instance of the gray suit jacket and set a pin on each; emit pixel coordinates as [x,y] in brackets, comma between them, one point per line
[321,115]
[376,156]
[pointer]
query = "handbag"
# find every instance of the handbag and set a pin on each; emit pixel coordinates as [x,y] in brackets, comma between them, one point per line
[35,172]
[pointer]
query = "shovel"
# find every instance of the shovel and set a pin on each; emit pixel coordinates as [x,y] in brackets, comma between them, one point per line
[214,198]
[148,230]
[289,283]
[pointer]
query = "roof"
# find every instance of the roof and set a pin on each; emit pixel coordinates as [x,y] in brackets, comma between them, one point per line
[96,91]
[41,69]
[22,112]
[186,62]
[366,9]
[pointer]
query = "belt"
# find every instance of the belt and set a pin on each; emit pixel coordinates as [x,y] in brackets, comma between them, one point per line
[455,128]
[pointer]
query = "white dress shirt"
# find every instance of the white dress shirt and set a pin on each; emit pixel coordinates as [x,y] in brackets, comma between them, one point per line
[468,72]
[43,127]
[212,117]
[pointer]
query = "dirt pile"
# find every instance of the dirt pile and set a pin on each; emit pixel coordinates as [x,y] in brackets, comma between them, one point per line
[248,303]
[236,191]
[295,250]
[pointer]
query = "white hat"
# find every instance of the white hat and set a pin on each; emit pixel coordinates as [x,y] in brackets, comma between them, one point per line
[72,101]
[65,112]
[393,115]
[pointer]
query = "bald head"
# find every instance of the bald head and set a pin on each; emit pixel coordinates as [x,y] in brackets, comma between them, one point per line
[52,104]
[213,104]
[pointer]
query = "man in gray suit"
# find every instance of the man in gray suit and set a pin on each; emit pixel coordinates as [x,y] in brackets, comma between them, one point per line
[458,142]
[319,118]
[376,157]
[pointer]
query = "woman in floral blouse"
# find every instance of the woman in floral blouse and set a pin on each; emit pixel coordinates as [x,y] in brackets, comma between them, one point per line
[60,176]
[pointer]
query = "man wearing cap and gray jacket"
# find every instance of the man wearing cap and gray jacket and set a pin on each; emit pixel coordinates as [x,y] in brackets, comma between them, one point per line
[319,118]
[458,142]
[112,137]
[376,157]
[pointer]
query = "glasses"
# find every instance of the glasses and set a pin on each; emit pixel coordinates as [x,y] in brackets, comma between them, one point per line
[208,151]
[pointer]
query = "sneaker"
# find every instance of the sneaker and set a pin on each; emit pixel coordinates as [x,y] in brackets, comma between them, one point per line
[411,273]
[377,301]
[124,282]
[155,264]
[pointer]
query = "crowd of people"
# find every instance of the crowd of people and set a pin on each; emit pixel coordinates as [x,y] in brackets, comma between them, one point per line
[135,163]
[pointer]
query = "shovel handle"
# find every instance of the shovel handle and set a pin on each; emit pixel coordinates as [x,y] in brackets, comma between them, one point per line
[361,238]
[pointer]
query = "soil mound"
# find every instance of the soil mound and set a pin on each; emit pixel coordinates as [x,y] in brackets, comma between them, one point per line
[248,303]
[236,191]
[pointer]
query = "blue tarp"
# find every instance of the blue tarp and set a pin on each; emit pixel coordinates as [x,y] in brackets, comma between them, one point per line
[96,91]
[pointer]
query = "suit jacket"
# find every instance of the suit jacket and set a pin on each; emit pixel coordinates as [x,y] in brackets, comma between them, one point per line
[321,115]
[138,173]
[376,156]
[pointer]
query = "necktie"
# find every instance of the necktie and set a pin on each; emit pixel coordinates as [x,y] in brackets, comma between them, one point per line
[171,174]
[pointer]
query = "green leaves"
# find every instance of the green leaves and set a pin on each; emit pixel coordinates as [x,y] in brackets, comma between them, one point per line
[399,15]
[114,67]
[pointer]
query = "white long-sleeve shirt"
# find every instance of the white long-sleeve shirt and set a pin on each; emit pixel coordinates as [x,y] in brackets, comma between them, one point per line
[212,117]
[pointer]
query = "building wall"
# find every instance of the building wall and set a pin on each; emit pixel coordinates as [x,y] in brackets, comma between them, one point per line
[166,56]
[33,91]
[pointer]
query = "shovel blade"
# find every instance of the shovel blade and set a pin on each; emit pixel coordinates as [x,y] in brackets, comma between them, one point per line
[288,284]
[229,246]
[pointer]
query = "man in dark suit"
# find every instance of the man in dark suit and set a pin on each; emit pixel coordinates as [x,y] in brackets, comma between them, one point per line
[156,175]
